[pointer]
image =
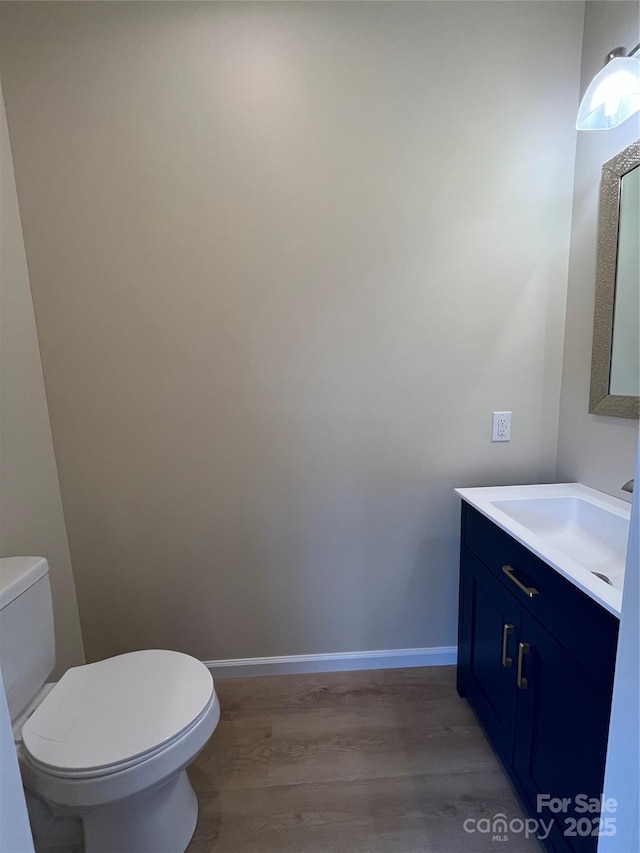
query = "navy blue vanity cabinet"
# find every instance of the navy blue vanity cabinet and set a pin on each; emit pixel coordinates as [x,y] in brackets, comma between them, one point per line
[561,734]
[488,622]
[536,658]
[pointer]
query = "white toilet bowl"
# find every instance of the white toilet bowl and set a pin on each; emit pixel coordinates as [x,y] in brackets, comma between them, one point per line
[110,742]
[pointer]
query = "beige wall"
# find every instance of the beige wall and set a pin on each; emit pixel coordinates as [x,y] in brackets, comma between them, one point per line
[31,519]
[286,259]
[593,449]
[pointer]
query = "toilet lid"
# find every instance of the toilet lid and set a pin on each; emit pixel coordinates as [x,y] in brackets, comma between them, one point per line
[108,713]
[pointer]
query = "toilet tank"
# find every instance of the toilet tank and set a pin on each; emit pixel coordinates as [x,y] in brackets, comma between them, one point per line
[27,640]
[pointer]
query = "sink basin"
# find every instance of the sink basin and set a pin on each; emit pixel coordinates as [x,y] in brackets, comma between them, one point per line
[591,535]
[578,531]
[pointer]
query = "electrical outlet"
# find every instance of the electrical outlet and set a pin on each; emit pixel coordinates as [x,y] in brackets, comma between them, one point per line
[501,426]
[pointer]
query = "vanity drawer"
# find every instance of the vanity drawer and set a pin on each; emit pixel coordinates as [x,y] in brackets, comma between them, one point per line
[580,624]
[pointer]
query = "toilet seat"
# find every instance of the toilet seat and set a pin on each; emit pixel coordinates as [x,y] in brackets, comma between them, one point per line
[80,792]
[105,717]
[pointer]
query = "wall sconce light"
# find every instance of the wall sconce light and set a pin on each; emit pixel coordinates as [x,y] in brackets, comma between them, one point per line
[614,93]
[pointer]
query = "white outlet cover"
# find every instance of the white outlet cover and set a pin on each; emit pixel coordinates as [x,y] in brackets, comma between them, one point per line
[501,426]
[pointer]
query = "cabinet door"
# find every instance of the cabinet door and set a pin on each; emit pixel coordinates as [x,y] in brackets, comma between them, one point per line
[561,736]
[490,621]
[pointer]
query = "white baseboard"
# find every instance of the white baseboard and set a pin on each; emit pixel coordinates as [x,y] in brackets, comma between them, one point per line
[338,662]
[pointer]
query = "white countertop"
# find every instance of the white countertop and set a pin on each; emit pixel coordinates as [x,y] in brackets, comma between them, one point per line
[559,539]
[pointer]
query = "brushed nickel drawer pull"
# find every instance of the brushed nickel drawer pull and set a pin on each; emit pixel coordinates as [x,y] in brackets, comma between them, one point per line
[507,631]
[523,649]
[528,590]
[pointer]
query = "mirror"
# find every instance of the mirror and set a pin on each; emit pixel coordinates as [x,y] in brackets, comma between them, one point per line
[615,364]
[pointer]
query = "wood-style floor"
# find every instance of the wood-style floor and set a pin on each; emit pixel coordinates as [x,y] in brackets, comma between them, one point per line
[384,761]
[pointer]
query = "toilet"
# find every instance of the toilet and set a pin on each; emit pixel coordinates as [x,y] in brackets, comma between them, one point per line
[108,745]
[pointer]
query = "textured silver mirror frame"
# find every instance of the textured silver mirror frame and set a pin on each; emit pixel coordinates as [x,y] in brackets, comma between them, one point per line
[601,402]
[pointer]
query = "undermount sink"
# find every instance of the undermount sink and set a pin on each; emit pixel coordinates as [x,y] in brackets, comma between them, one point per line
[580,532]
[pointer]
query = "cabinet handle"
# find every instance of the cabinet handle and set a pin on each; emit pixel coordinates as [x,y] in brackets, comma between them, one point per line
[523,649]
[507,631]
[528,590]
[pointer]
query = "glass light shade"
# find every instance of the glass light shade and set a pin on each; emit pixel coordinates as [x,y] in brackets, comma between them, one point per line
[612,97]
